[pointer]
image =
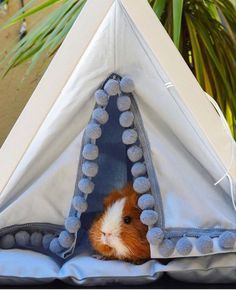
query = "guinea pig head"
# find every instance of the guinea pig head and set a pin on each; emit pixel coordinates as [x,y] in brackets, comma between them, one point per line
[118,232]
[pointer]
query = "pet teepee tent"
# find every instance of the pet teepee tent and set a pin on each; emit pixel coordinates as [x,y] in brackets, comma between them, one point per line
[148,104]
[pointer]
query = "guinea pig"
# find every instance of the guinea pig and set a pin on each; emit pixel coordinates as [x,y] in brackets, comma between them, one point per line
[118,232]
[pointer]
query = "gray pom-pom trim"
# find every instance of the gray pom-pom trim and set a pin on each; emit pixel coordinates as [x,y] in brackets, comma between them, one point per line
[55,246]
[80,204]
[86,186]
[90,151]
[149,217]
[90,168]
[138,169]
[166,248]
[22,238]
[146,201]
[227,240]
[101,98]
[204,244]
[155,236]
[123,103]
[100,115]
[7,242]
[127,85]
[126,119]
[72,224]
[134,153]
[36,239]
[93,131]
[141,184]
[66,239]
[112,87]
[184,246]
[129,136]
[47,240]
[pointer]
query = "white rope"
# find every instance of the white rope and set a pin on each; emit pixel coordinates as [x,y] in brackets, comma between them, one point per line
[232,157]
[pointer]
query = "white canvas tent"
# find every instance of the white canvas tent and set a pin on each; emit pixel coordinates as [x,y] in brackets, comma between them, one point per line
[190,148]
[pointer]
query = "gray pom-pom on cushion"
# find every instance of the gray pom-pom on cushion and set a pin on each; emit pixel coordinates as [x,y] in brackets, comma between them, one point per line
[100,115]
[146,201]
[134,153]
[36,239]
[72,224]
[204,244]
[138,169]
[149,217]
[141,184]
[90,151]
[112,87]
[47,240]
[184,246]
[80,204]
[66,239]
[166,248]
[90,168]
[86,186]
[123,103]
[101,98]
[155,236]
[93,131]
[7,242]
[126,119]
[227,240]
[129,136]
[22,238]
[127,85]
[55,246]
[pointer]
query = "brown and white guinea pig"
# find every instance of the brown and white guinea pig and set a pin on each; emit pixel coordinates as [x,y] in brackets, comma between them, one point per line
[118,232]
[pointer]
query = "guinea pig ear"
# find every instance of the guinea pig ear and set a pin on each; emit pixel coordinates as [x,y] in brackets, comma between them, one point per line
[111,198]
[128,189]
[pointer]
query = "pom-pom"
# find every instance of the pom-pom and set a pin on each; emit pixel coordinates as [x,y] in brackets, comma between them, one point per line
[134,153]
[55,246]
[47,240]
[155,236]
[141,184]
[184,246]
[86,186]
[126,119]
[227,240]
[72,224]
[149,217]
[93,131]
[7,241]
[80,204]
[90,151]
[101,98]
[100,115]
[129,136]
[66,239]
[22,238]
[146,201]
[36,239]
[90,168]
[138,169]
[112,87]
[127,85]
[123,103]
[166,248]
[204,244]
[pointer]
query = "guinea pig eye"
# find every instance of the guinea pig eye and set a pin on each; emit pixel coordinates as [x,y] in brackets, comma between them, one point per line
[127,220]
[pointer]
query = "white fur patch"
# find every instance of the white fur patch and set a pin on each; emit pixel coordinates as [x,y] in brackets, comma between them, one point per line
[111,224]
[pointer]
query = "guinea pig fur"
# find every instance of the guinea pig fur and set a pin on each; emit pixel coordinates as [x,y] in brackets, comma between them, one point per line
[118,232]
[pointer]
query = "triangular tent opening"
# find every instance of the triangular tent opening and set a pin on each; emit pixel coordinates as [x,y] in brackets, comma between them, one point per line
[186,148]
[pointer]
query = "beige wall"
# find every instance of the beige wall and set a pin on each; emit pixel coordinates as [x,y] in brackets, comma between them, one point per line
[15,88]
